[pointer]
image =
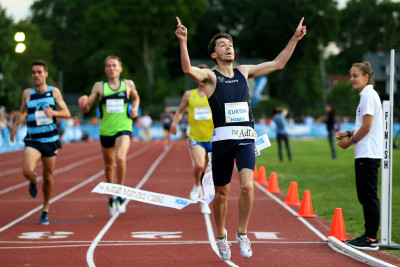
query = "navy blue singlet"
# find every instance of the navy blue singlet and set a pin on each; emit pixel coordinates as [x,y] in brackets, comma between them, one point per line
[229,90]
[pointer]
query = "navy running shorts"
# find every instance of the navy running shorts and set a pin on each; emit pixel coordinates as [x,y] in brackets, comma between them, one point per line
[223,157]
[109,141]
[46,149]
[206,145]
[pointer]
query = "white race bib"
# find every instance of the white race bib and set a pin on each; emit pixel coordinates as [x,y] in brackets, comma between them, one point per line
[236,112]
[42,118]
[115,105]
[203,113]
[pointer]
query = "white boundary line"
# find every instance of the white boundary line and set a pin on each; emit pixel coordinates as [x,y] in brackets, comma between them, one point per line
[309,226]
[67,168]
[95,242]
[157,241]
[19,169]
[144,243]
[211,239]
[356,254]
[57,171]
[332,241]
[72,189]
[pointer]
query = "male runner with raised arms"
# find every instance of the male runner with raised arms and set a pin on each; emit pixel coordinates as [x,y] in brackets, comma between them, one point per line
[119,103]
[233,138]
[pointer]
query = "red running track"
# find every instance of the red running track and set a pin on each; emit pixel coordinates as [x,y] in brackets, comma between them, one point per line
[81,233]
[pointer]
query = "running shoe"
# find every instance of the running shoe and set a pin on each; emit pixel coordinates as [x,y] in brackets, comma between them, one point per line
[112,206]
[363,243]
[44,218]
[33,187]
[224,247]
[244,246]
[195,193]
[205,209]
[121,205]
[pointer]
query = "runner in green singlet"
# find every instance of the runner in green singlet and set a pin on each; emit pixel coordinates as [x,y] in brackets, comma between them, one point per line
[119,103]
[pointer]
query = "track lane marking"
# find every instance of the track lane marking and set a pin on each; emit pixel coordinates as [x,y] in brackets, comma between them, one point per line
[95,242]
[360,255]
[61,158]
[72,189]
[60,170]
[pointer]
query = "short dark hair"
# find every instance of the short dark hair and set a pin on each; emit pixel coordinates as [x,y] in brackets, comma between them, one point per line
[40,63]
[211,45]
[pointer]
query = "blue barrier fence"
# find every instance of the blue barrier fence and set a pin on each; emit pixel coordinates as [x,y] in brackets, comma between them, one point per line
[74,134]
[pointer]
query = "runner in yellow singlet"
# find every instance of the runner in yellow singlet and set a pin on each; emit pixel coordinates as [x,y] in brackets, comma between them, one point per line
[201,130]
[119,103]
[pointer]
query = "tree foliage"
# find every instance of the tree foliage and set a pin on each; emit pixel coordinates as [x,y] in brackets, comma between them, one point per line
[76,36]
[6,49]
[365,26]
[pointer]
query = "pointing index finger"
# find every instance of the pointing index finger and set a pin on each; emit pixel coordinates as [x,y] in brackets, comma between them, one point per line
[301,21]
[179,21]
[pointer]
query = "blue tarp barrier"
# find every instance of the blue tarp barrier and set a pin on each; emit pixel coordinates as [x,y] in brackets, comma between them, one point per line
[74,134]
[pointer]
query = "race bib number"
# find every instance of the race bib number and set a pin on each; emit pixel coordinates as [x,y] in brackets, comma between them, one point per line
[115,105]
[203,113]
[42,118]
[236,112]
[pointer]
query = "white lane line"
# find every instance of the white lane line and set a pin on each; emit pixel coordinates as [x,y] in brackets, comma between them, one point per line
[158,242]
[336,244]
[60,158]
[148,243]
[350,252]
[90,252]
[211,239]
[64,169]
[92,178]
[312,228]
[57,171]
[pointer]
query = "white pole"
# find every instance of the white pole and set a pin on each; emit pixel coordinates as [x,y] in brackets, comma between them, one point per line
[387,167]
[386,178]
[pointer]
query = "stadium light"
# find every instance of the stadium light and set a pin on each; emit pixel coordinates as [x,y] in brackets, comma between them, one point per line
[20,48]
[19,37]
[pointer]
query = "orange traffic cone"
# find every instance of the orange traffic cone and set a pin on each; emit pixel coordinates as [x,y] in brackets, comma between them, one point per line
[273,183]
[255,172]
[306,209]
[292,198]
[262,176]
[337,229]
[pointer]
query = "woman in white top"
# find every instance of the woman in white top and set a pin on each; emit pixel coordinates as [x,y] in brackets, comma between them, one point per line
[367,138]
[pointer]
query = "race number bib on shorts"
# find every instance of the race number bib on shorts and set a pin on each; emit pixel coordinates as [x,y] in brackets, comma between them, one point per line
[236,112]
[115,105]
[42,118]
[203,113]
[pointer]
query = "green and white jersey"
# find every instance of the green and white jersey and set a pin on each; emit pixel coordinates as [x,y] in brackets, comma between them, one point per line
[114,110]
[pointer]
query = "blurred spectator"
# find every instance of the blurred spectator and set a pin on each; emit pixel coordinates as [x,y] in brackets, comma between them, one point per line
[166,120]
[308,120]
[146,123]
[3,122]
[183,124]
[279,117]
[332,126]
[61,126]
